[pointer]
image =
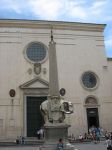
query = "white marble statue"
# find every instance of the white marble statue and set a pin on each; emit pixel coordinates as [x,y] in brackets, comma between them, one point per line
[54,109]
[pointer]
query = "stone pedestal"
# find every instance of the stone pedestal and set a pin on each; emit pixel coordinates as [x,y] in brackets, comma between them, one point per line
[53,132]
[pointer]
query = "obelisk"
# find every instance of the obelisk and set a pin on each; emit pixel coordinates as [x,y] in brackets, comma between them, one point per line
[54,96]
[54,126]
[53,72]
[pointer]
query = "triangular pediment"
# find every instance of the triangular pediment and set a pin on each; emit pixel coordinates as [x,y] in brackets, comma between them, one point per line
[35,84]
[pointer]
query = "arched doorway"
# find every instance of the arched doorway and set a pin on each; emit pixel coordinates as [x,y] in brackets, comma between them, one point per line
[91,104]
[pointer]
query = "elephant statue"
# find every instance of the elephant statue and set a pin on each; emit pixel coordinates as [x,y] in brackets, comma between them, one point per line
[64,107]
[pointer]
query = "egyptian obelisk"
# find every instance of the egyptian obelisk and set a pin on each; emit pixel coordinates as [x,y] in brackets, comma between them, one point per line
[53,72]
[54,127]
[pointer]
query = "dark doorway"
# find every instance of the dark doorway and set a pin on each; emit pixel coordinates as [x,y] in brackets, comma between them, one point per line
[92,117]
[34,117]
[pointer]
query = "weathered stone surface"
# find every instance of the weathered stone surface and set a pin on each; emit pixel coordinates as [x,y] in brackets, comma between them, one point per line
[53,132]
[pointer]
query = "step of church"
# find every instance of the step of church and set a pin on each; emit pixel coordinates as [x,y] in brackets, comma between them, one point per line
[28,141]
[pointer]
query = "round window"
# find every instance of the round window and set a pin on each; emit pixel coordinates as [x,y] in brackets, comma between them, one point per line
[89,80]
[36,52]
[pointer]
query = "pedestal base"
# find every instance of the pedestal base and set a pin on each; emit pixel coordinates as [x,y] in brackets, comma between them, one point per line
[53,132]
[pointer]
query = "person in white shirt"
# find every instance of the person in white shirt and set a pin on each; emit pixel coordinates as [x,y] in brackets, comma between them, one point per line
[81,138]
[108,142]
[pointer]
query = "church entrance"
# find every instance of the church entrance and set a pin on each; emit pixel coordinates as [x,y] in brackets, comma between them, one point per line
[34,117]
[92,117]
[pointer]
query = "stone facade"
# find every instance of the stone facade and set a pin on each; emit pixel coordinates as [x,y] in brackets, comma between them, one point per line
[79,47]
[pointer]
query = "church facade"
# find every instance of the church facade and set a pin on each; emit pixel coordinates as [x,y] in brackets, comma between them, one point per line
[84,73]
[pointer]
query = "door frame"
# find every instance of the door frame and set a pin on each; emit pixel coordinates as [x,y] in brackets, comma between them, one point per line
[96,115]
[25,112]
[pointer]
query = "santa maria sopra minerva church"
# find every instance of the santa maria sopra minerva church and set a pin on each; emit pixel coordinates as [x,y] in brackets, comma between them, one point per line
[84,75]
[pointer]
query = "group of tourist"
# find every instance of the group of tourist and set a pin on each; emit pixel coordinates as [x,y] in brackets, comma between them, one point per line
[95,134]
[20,140]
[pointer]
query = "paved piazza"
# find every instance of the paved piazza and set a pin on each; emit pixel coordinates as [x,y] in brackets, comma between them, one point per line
[87,146]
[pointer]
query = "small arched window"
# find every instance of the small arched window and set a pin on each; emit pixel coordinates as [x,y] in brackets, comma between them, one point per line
[91,101]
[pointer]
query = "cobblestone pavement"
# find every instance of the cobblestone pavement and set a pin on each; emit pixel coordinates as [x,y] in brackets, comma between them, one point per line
[81,146]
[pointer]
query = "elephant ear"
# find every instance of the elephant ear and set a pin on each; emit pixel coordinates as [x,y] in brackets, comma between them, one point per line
[67,107]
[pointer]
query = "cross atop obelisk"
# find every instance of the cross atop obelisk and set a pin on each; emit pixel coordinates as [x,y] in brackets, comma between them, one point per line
[53,72]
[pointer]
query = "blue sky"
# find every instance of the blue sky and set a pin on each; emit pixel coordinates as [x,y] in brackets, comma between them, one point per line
[88,11]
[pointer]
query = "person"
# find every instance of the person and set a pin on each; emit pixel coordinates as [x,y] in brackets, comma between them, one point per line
[98,135]
[80,138]
[72,137]
[20,139]
[106,135]
[101,131]
[85,136]
[38,134]
[111,137]
[108,142]
[60,145]
[41,133]
[92,129]
[17,140]
[94,137]
[23,140]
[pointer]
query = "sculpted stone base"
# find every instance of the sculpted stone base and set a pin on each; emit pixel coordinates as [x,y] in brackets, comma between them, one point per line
[53,132]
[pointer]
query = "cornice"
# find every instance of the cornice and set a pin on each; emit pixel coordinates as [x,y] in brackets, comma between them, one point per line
[27,84]
[40,24]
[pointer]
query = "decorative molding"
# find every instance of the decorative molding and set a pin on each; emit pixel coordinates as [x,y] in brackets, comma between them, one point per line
[65,44]
[36,86]
[55,24]
[31,84]
[9,42]
[91,101]
[100,45]
[37,68]
[35,92]
[91,106]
